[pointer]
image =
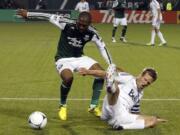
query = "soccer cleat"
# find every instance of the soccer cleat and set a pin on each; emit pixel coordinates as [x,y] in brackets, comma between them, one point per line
[163,44]
[113,40]
[63,112]
[95,110]
[123,39]
[150,44]
[110,77]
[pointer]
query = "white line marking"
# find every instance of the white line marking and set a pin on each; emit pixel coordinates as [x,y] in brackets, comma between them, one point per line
[81,99]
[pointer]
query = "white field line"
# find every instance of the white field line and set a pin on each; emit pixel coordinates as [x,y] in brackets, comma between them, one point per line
[78,99]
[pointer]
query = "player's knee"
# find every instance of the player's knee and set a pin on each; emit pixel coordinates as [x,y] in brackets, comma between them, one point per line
[67,81]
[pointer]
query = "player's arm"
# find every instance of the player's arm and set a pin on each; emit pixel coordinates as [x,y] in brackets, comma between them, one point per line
[25,14]
[57,20]
[103,50]
[96,73]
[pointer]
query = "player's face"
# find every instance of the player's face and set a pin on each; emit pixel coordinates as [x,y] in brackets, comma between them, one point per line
[82,24]
[144,81]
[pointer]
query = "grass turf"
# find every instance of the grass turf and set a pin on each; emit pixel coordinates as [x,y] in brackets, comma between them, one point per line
[27,71]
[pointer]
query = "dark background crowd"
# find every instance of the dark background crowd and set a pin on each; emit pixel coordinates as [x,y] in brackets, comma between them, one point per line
[70,4]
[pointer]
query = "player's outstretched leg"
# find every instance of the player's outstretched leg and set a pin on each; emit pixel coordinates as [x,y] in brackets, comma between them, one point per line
[113,34]
[153,35]
[160,35]
[65,87]
[97,88]
[123,34]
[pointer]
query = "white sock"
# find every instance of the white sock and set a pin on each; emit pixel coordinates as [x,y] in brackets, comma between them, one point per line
[153,34]
[160,35]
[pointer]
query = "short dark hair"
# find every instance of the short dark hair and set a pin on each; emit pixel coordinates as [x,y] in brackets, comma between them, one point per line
[86,16]
[151,71]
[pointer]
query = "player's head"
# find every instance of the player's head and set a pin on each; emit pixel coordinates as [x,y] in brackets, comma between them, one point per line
[150,0]
[83,21]
[147,77]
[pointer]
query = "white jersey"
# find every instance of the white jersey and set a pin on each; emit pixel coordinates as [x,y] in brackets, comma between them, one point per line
[129,94]
[127,102]
[154,6]
[82,6]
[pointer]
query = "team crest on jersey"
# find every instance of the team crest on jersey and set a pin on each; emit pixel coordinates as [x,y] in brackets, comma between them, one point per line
[72,28]
[74,42]
[86,38]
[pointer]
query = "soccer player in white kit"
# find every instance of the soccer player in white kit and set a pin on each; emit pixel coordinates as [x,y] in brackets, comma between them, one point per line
[123,92]
[156,21]
[82,6]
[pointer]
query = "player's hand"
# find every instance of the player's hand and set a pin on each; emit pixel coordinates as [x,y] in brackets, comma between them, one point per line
[83,71]
[22,12]
[162,120]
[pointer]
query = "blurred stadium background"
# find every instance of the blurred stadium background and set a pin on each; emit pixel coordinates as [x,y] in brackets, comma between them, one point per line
[29,82]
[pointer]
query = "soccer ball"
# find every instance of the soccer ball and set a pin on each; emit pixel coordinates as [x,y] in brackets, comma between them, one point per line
[37,120]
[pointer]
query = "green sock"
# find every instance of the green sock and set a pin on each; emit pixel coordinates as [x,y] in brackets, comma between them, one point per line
[114,31]
[64,90]
[97,88]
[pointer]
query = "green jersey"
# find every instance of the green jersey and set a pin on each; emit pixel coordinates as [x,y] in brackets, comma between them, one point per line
[72,42]
[119,8]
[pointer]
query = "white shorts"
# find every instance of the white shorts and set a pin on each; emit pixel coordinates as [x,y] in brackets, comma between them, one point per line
[74,64]
[121,21]
[118,115]
[156,23]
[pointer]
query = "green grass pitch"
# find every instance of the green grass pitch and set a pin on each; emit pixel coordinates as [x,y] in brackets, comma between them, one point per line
[28,75]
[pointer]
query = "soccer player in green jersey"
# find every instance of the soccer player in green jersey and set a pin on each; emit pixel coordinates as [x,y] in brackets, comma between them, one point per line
[119,18]
[70,57]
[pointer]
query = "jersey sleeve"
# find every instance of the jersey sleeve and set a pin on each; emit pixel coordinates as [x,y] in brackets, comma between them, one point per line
[45,16]
[57,20]
[101,46]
